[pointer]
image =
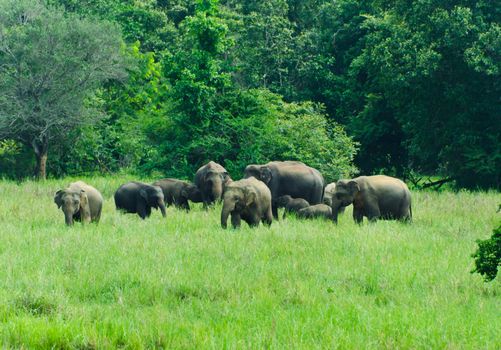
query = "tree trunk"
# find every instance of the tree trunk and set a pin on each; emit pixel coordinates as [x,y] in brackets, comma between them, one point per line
[41,149]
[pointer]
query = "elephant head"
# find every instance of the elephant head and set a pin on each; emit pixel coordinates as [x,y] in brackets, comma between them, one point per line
[192,193]
[282,201]
[73,202]
[236,199]
[260,172]
[344,195]
[215,182]
[153,197]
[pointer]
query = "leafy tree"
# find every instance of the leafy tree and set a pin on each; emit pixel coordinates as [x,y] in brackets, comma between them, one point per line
[50,64]
[436,70]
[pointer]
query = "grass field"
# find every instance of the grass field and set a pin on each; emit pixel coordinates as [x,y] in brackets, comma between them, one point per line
[183,282]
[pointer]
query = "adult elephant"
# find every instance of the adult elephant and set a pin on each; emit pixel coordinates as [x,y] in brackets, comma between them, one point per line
[248,200]
[292,178]
[375,197]
[139,197]
[79,202]
[179,192]
[211,179]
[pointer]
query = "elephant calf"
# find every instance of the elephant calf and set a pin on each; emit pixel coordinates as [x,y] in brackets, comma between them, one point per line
[375,197]
[291,205]
[79,202]
[315,211]
[249,200]
[138,197]
[178,192]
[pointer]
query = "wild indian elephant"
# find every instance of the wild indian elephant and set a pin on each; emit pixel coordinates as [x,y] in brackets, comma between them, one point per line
[249,200]
[375,197]
[211,179]
[178,192]
[79,202]
[289,178]
[139,197]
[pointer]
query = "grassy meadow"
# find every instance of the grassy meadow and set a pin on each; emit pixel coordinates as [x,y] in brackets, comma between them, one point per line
[183,282]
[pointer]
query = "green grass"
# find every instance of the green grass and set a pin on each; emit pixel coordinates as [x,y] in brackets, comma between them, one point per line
[183,282]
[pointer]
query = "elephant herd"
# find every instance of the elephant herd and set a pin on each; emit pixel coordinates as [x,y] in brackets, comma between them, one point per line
[256,198]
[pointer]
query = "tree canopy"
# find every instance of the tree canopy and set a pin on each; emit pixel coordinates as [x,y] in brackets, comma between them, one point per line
[413,86]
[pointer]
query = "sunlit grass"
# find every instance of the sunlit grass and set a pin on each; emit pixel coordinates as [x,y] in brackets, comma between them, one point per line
[183,282]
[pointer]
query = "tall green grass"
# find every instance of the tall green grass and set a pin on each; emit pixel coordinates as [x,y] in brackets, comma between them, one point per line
[183,282]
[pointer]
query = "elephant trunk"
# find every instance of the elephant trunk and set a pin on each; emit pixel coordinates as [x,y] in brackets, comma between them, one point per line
[68,217]
[217,190]
[227,209]
[161,205]
[336,208]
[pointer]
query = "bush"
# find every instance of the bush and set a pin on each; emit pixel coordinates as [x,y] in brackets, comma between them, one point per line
[488,256]
[253,126]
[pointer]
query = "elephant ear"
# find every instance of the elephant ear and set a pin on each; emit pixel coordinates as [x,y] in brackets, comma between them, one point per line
[184,192]
[143,194]
[250,196]
[353,187]
[265,174]
[84,207]
[58,198]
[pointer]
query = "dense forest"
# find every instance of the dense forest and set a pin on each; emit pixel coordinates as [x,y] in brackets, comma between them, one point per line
[160,87]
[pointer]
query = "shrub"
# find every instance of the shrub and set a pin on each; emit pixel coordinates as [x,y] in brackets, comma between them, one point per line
[488,256]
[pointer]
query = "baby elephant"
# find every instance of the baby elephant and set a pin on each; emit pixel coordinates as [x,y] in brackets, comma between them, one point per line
[248,199]
[291,205]
[178,192]
[315,211]
[79,202]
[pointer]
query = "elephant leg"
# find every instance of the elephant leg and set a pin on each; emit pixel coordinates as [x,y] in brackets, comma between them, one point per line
[358,215]
[184,204]
[98,215]
[253,220]
[268,217]
[274,210]
[373,213]
[235,220]
[142,210]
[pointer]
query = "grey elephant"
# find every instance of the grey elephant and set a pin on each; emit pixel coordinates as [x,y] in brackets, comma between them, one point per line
[315,211]
[375,197]
[249,200]
[291,205]
[79,202]
[211,180]
[179,192]
[289,178]
[138,197]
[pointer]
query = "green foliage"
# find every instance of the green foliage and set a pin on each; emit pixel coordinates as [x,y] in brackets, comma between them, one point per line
[415,84]
[16,160]
[210,118]
[488,255]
